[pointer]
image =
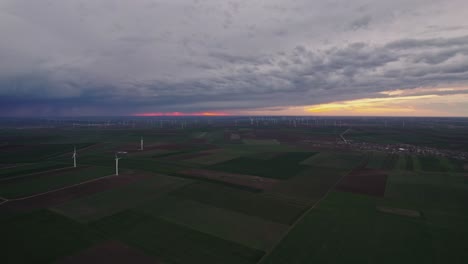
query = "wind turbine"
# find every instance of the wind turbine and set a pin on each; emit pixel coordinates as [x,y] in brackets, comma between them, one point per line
[117,161]
[342,134]
[141,143]
[74,157]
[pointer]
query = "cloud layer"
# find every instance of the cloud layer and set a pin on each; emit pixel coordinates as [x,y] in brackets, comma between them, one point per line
[104,57]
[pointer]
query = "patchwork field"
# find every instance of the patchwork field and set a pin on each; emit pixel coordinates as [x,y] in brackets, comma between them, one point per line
[167,240]
[348,228]
[15,170]
[47,181]
[247,230]
[247,181]
[275,194]
[280,167]
[49,237]
[98,205]
[343,160]
[254,204]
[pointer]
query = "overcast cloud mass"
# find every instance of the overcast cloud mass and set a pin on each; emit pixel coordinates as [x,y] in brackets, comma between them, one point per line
[119,57]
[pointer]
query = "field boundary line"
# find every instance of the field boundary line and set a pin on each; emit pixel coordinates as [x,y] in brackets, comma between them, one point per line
[59,189]
[34,173]
[291,227]
[70,153]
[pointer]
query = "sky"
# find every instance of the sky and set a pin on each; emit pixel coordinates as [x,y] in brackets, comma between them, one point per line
[234,57]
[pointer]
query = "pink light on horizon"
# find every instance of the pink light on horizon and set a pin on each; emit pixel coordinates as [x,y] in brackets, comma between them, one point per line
[181,114]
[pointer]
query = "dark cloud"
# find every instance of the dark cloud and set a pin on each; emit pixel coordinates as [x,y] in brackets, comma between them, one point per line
[122,57]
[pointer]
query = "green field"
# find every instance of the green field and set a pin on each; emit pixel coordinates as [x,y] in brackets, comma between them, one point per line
[25,169]
[37,152]
[42,237]
[298,217]
[245,202]
[247,230]
[310,185]
[174,243]
[279,167]
[96,206]
[33,184]
[344,160]
[347,228]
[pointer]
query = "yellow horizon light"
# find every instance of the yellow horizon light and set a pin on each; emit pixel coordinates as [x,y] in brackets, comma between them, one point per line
[369,105]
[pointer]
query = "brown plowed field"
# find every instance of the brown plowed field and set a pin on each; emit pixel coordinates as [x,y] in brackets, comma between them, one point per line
[249,181]
[114,252]
[61,196]
[364,181]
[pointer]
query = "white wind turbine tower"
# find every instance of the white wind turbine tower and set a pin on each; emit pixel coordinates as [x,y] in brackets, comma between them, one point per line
[342,134]
[117,161]
[141,143]
[74,157]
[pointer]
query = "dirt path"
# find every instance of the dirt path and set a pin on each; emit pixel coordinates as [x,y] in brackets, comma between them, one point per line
[59,189]
[61,195]
[36,173]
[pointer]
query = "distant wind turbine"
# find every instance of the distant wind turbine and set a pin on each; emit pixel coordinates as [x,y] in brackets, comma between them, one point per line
[117,161]
[342,136]
[74,157]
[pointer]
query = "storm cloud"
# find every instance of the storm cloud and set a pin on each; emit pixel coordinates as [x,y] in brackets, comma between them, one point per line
[104,57]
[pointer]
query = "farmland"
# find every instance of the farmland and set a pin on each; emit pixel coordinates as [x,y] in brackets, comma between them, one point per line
[272,193]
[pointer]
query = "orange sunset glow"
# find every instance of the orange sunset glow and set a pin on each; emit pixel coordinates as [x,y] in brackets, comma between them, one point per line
[182,114]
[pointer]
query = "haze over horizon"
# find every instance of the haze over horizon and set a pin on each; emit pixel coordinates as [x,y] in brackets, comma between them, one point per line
[237,57]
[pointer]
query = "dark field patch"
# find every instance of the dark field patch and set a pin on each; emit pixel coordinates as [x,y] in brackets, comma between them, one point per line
[114,252]
[172,242]
[42,237]
[249,181]
[347,228]
[105,203]
[59,197]
[42,174]
[36,152]
[309,185]
[364,181]
[47,181]
[440,164]
[30,169]
[269,208]
[184,156]
[344,160]
[390,162]
[409,162]
[247,230]
[280,167]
